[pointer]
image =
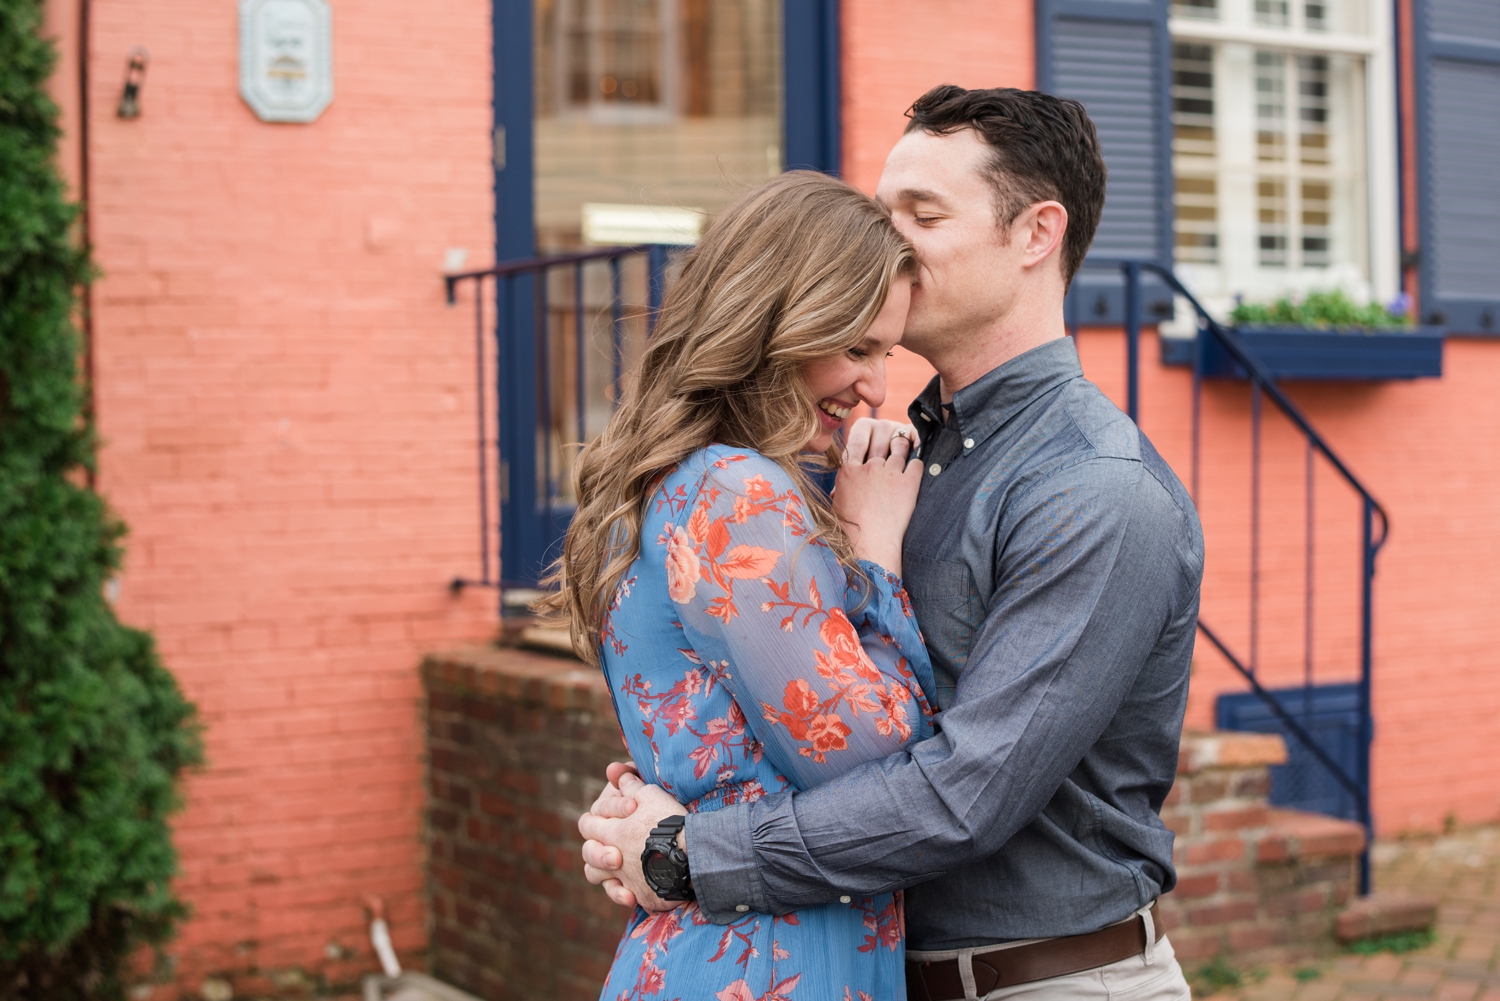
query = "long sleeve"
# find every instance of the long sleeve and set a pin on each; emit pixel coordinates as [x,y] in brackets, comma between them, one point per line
[763,606]
[1090,577]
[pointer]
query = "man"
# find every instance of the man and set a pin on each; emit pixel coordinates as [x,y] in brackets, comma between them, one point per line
[1054,562]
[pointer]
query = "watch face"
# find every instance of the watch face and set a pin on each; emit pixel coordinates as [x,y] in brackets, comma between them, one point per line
[660,871]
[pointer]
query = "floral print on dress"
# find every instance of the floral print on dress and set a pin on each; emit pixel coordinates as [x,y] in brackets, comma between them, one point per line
[743,662]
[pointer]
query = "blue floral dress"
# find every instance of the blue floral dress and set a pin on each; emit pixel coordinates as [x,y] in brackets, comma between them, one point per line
[742,661]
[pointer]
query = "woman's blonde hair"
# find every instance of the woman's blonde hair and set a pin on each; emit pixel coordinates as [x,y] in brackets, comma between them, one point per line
[793,271]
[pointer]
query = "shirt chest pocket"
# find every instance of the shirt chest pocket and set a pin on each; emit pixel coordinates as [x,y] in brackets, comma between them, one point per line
[948,610]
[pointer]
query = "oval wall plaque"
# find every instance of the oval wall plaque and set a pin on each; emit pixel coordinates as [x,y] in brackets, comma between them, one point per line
[286,58]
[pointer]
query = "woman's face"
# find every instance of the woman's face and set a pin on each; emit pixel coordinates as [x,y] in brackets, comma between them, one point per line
[841,382]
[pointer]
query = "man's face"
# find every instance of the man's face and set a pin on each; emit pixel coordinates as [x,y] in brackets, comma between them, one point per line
[943,203]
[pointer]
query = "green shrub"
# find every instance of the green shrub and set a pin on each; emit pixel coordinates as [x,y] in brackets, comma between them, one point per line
[93,731]
[1318,309]
[1397,942]
[1216,976]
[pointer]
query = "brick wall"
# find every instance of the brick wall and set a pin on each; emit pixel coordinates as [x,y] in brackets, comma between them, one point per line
[287,408]
[517,744]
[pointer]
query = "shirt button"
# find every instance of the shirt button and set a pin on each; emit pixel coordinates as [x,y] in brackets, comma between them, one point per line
[934,469]
[844,899]
[742,908]
[968,443]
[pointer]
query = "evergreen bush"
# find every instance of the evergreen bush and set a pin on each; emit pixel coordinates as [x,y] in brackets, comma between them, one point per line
[93,731]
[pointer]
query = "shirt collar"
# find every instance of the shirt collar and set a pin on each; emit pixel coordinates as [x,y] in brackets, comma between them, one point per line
[985,405]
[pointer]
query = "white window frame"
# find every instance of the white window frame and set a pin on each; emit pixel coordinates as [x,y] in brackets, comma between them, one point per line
[1374,47]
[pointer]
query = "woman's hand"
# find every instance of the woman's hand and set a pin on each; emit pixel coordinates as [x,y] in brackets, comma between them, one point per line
[876,489]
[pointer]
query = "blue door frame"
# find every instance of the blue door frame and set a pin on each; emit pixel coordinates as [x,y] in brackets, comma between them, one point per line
[810,140]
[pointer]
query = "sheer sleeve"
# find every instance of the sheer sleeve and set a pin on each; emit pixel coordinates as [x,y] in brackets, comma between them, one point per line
[764,606]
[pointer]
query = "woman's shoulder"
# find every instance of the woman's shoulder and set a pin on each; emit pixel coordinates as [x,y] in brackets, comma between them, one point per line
[725,468]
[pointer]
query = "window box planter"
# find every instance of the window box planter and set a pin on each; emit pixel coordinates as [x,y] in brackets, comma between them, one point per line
[1302,353]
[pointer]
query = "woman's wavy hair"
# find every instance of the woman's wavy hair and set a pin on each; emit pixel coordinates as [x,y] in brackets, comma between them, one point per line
[792,271]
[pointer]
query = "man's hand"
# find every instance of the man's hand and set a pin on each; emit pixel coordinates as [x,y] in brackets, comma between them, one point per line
[615,831]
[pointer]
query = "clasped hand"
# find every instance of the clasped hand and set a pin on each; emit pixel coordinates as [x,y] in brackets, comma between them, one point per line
[873,496]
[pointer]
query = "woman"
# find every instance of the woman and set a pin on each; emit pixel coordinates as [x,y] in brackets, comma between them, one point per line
[753,642]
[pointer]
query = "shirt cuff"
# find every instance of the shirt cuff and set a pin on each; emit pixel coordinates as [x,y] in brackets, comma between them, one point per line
[721,860]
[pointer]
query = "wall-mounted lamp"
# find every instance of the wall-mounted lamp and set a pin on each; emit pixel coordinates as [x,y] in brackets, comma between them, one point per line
[135,75]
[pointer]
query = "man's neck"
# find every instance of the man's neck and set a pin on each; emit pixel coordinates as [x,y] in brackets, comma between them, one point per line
[988,348]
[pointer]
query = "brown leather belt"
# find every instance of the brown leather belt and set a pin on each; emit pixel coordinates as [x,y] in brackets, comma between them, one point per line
[1055,957]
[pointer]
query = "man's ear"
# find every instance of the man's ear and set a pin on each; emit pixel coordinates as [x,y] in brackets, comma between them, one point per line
[1039,231]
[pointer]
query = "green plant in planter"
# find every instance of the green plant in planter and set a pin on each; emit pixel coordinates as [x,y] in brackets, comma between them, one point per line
[93,730]
[1320,310]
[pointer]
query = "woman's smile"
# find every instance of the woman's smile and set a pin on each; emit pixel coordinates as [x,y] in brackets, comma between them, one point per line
[833,412]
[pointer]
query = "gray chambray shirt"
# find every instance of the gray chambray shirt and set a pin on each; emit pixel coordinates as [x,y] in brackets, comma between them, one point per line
[1053,561]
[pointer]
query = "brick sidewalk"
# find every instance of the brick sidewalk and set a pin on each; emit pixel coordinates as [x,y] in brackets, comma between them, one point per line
[1463,872]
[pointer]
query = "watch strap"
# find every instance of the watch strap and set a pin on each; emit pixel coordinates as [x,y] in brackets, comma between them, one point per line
[668,827]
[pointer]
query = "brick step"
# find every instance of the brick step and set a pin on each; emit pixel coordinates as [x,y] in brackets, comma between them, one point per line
[1252,879]
[1295,836]
[1385,914]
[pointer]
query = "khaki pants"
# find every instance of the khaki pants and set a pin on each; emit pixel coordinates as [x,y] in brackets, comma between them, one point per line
[1152,976]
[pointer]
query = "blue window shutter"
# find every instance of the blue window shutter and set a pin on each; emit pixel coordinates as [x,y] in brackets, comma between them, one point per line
[1115,57]
[1458,149]
[810,75]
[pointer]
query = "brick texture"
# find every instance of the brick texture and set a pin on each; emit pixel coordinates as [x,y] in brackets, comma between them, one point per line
[1251,881]
[517,745]
[287,410]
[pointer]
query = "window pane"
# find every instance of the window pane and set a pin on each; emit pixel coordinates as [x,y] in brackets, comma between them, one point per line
[1312,72]
[1203,10]
[1270,105]
[671,103]
[1195,184]
[1316,209]
[1271,207]
[1271,12]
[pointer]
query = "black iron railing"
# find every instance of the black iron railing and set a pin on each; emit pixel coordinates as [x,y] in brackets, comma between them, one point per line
[563,327]
[1295,719]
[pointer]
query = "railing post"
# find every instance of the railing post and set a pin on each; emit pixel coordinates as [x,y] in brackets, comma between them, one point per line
[1366,706]
[656,280]
[580,349]
[1133,340]
[484,473]
[616,348]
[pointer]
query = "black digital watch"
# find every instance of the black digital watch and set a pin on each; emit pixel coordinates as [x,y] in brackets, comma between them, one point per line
[664,865]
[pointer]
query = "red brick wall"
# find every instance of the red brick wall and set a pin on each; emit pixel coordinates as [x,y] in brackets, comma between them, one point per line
[893,53]
[287,408]
[1429,450]
[517,743]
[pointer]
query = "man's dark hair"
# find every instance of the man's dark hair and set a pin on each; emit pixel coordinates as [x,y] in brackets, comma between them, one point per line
[1042,148]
